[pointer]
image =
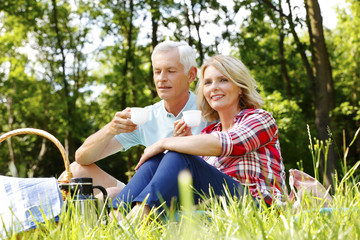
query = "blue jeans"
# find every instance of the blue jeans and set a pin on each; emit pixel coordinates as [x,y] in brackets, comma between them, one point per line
[158,176]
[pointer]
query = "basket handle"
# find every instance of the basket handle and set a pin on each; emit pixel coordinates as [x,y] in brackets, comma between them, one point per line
[47,135]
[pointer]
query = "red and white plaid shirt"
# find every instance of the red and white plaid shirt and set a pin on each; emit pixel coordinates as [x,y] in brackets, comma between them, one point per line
[251,154]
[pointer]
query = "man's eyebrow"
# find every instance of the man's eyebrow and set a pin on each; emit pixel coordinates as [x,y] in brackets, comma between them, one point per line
[159,68]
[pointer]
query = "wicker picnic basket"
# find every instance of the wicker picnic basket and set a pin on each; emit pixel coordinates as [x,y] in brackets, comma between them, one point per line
[42,133]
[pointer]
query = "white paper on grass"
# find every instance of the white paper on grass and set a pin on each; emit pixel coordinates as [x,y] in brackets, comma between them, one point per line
[27,201]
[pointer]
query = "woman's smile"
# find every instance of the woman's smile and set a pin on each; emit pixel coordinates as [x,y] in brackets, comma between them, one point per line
[217,97]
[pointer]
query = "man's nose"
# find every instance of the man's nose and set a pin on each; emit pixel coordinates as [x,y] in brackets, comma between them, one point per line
[162,76]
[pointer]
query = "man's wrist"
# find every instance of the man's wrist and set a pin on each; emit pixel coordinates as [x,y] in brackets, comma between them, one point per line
[109,130]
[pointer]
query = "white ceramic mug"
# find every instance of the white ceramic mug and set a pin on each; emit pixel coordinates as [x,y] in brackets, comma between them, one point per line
[192,117]
[139,115]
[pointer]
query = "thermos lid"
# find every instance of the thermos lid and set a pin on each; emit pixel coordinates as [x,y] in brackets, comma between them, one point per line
[81,180]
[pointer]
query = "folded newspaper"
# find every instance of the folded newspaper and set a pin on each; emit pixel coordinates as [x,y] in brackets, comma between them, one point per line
[25,202]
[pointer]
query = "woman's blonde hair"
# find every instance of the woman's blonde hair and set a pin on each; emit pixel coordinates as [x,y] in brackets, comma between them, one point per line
[234,70]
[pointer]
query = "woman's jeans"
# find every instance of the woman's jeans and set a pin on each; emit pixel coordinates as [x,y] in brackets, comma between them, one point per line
[157,181]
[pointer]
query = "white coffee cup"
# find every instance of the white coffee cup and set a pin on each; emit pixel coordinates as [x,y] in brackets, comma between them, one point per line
[139,115]
[192,117]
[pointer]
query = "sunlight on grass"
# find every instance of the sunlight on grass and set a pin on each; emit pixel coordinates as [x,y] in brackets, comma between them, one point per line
[225,218]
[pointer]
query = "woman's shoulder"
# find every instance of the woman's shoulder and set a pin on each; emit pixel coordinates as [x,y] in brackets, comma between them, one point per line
[210,128]
[254,111]
[257,117]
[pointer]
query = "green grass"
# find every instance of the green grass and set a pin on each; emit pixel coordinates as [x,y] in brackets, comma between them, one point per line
[220,219]
[226,218]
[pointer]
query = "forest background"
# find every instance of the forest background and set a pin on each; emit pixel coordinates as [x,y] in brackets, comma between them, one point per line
[66,67]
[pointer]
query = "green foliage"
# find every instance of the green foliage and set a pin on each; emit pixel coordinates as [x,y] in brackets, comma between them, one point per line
[49,69]
[346,109]
[345,59]
[292,129]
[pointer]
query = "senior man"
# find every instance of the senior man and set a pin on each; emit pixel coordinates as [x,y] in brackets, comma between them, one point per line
[174,69]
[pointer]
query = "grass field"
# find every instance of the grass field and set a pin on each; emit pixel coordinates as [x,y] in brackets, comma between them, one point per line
[227,218]
[220,219]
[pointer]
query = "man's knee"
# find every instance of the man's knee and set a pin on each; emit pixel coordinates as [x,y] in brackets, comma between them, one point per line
[76,170]
[79,170]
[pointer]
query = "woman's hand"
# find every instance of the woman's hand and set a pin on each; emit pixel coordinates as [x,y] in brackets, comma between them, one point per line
[151,151]
[181,129]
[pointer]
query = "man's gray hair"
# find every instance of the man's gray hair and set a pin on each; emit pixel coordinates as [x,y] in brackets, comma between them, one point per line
[187,53]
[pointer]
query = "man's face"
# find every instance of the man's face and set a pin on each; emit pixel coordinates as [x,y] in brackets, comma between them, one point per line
[170,79]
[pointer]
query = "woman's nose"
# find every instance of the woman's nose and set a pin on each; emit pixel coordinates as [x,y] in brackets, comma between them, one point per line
[214,86]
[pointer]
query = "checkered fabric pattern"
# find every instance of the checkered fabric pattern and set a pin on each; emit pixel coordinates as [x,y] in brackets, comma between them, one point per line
[251,154]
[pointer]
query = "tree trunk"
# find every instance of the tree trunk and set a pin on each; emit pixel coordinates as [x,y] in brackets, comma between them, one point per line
[324,98]
[319,75]
[197,25]
[188,23]
[301,50]
[12,166]
[128,61]
[128,55]
[68,142]
[355,100]
[155,15]
[299,45]
[284,72]
[42,152]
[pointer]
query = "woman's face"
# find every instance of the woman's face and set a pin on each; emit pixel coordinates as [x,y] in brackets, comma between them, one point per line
[220,92]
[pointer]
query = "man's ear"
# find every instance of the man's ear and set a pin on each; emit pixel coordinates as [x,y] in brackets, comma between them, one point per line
[192,74]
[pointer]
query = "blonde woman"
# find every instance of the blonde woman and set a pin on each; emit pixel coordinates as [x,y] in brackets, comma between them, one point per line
[241,151]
